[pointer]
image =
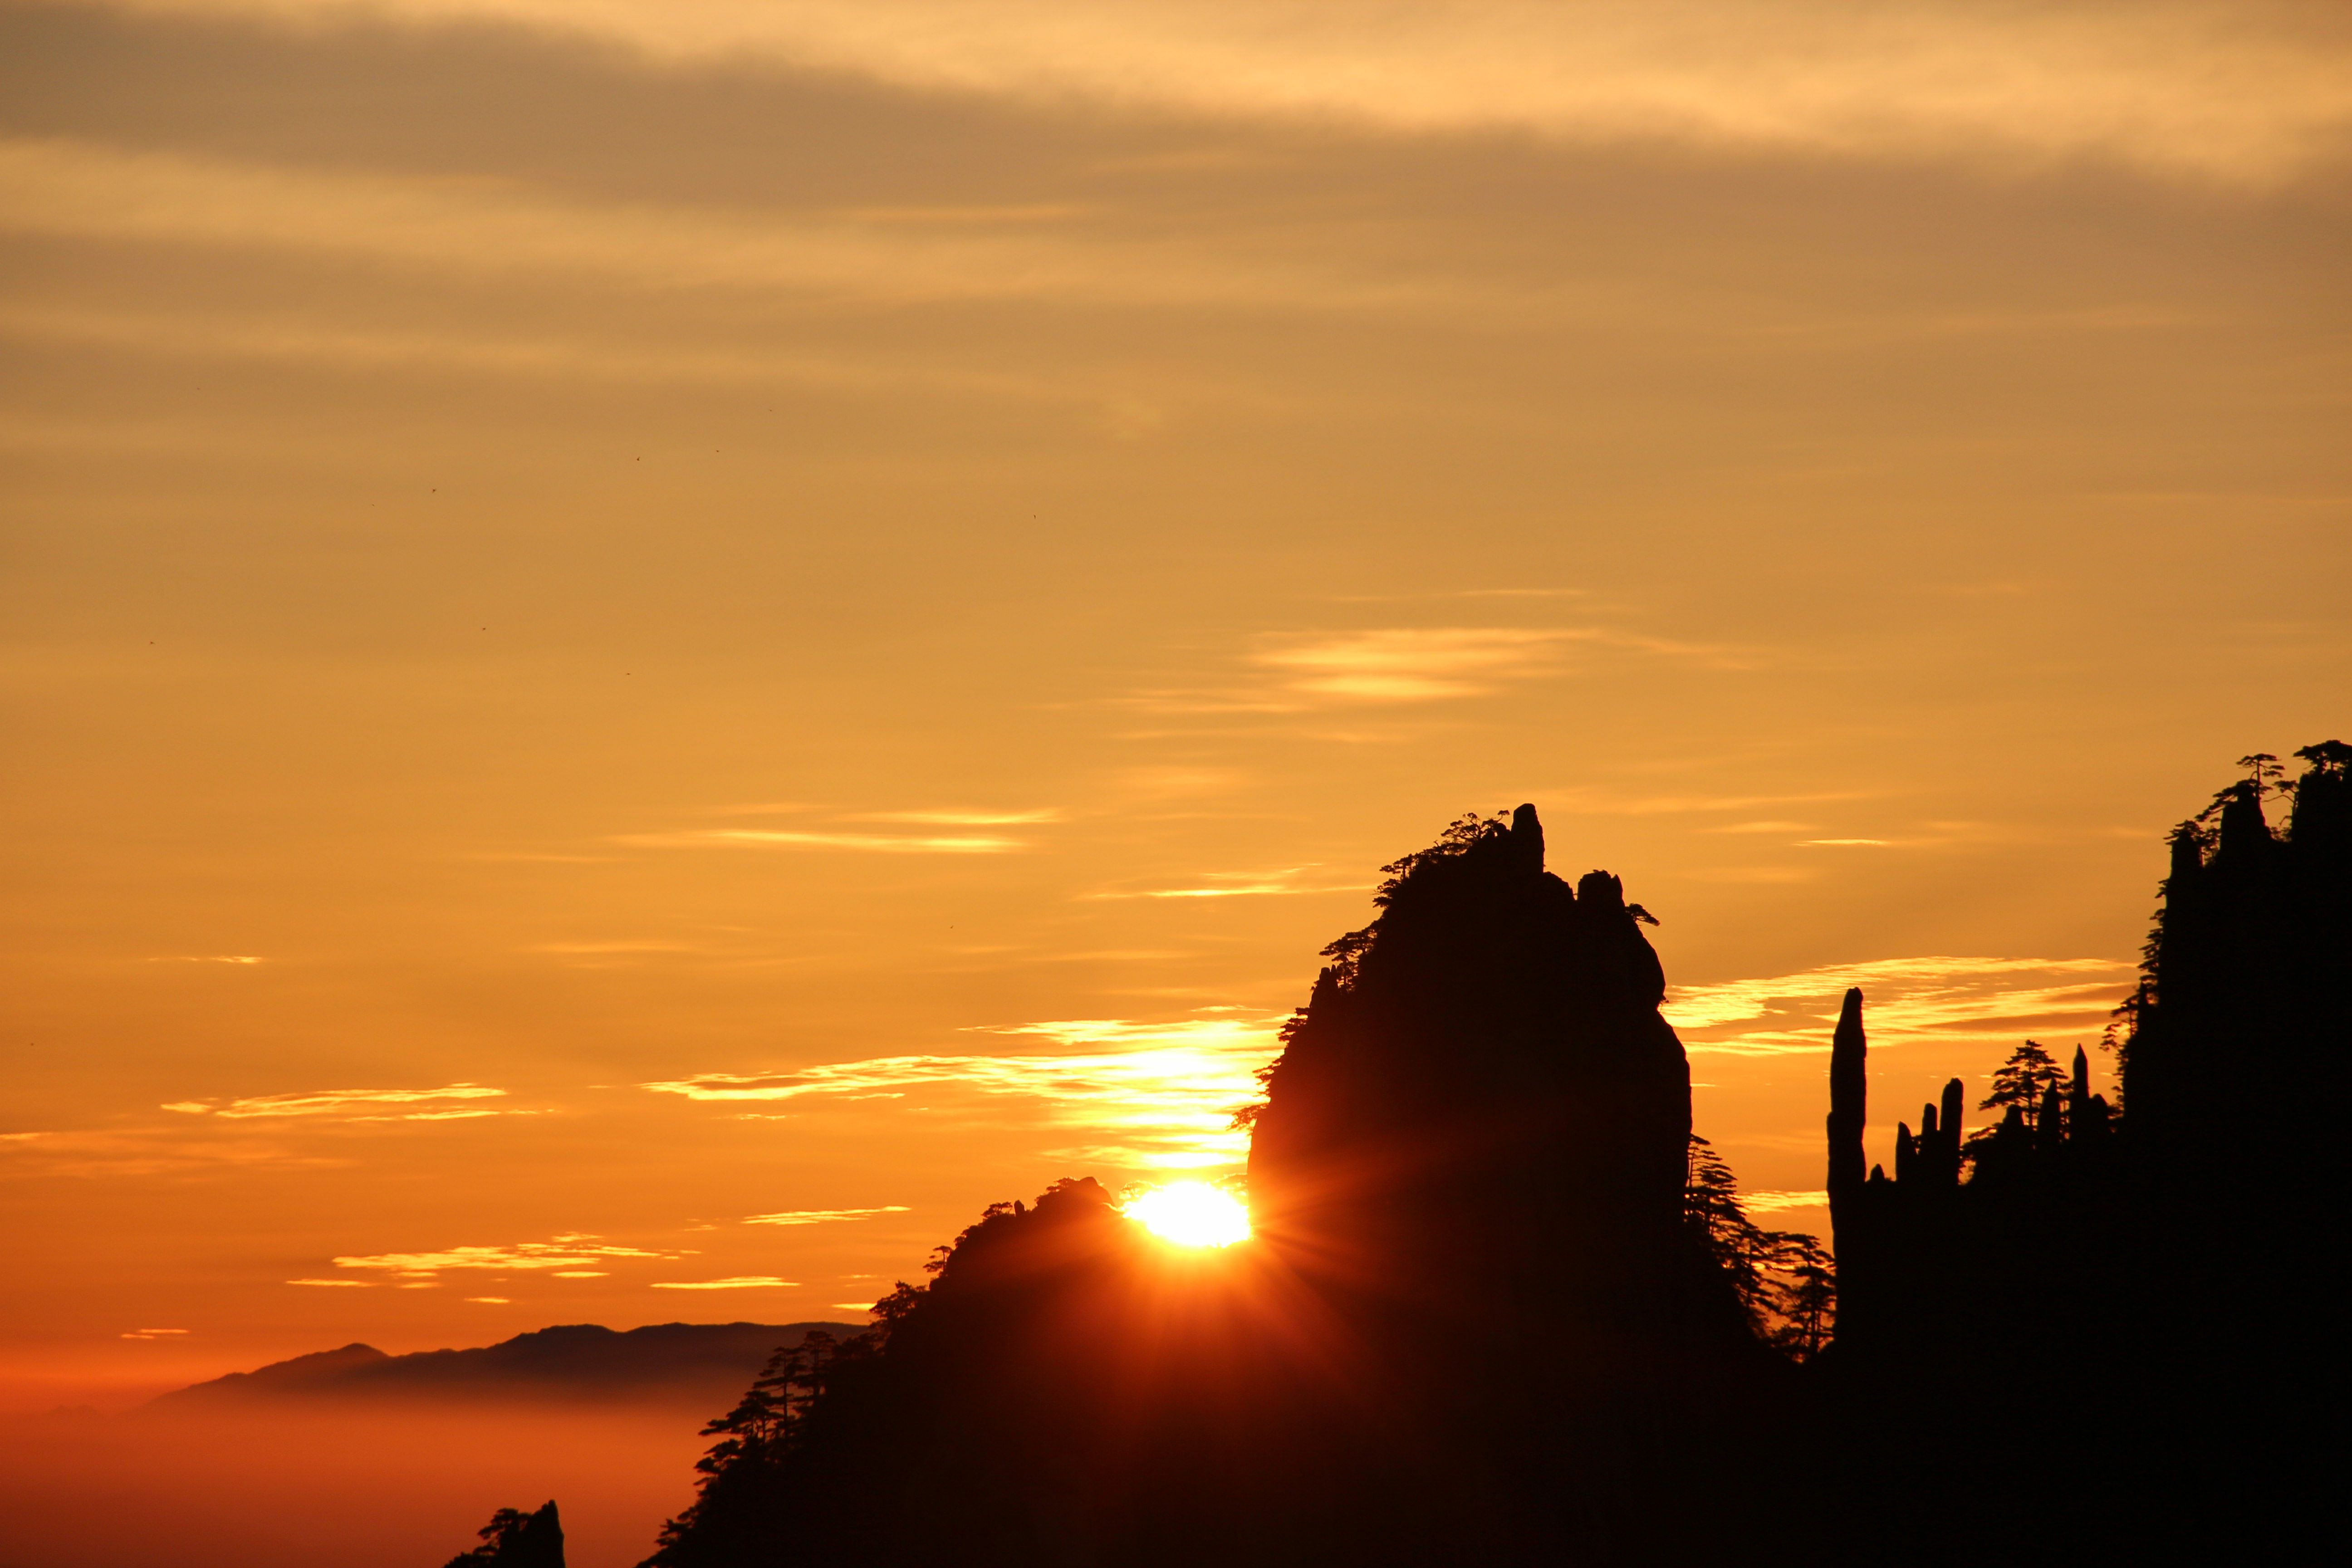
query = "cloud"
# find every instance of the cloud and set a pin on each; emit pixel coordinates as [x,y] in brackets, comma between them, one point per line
[1411,664]
[154,1333]
[740,1282]
[272,338]
[1618,803]
[1770,1202]
[965,818]
[85,190]
[600,949]
[822,1216]
[1907,1000]
[1163,1097]
[563,1252]
[207,958]
[851,1306]
[778,838]
[350,1104]
[154,1151]
[1237,885]
[2208,88]
[489,1300]
[351,1284]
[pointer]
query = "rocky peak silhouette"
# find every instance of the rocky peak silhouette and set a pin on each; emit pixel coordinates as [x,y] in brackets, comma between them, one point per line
[1481,1100]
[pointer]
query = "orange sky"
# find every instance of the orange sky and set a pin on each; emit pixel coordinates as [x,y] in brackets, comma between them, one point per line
[566,563]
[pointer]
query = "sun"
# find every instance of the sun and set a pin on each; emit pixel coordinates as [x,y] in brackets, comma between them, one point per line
[1191,1214]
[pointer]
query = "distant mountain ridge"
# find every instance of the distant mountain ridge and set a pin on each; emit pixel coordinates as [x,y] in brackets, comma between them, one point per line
[570,1362]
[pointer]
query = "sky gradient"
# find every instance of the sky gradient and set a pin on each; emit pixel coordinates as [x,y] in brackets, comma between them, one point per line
[650,651]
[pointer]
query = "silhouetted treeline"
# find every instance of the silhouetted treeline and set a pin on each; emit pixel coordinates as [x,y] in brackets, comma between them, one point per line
[1502,1305]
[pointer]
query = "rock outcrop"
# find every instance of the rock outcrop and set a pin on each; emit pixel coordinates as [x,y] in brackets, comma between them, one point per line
[1480,1108]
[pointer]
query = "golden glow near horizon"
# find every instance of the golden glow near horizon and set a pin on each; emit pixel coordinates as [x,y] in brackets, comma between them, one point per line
[1191,1214]
[652,651]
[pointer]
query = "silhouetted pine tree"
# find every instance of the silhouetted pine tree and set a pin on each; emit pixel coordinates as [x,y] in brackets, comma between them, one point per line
[2025,1081]
[1786,1279]
[739,1501]
[1804,1296]
[1711,1207]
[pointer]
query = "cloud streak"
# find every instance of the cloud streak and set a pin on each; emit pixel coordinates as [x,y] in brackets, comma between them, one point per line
[1405,665]
[1161,1096]
[738,1282]
[1910,1000]
[782,838]
[562,1252]
[349,1104]
[2218,90]
[822,1216]
[1772,1202]
[86,190]
[1239,885]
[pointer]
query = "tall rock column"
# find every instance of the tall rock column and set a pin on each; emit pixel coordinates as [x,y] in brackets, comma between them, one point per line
[1849,1091]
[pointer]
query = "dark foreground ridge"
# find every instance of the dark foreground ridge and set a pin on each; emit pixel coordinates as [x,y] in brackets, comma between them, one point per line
[1502,1306]
[572,1361]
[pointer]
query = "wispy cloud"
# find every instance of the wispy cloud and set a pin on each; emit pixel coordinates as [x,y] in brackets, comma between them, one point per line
[785,839]
[1908,1000]
[485,354]
[738,1282]
[2218,90]
[964,819]
[347,1284]
[821,1216]
[348,1104]
[154,1334]
[1163,1096]
[1298,671]
[66,187]
[1771,1202]
[236,958]
[607,949]
[563,1252]
[131,1152]
[1242,884]
[1410,664]
[1632,803]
